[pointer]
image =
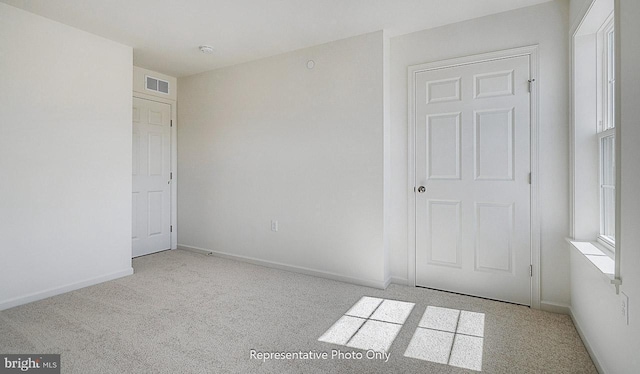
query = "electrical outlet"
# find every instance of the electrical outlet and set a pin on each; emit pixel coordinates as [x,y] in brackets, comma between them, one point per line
[624,304]
[274,225]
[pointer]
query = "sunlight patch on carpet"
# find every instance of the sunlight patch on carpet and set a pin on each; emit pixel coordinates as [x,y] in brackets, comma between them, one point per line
[449,336]
[370,324]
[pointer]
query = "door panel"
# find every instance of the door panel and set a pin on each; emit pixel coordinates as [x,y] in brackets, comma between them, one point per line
[443,135]
[493,133]
[473,156]
[444,232]
[151,198]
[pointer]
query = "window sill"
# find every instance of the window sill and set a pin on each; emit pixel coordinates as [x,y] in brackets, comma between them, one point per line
[608,245]
[597,257]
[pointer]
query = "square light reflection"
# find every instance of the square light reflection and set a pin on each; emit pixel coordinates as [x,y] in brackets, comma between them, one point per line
[449,336]
[371,323]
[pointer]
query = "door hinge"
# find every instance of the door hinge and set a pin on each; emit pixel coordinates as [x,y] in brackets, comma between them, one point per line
[531,270]
[529,178]
[171,228]
[171,121]
[530,83]
[171,175]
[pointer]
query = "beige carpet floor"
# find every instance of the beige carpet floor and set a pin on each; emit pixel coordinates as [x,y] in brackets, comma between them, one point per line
[183,312]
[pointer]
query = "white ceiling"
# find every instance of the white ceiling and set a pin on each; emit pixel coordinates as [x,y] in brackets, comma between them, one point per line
[165,34]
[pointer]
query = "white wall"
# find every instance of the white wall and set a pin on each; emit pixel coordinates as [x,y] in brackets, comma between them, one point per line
[594,303]
[546,25]
[273,140]
[586,189]
[576,8]
[386,82]
[65,158]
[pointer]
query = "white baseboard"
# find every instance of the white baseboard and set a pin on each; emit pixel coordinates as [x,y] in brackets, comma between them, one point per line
[395,280]
[286,267]
[387,282]
[549,306]
[63,289]
[586,343]
[195,250]
[400,281]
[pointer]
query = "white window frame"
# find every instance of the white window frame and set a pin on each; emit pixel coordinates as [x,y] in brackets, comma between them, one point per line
[586,116]
[607,66]
[606,122]
[607,241]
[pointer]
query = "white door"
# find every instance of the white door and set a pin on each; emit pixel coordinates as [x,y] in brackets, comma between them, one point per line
[473,161]
[151,231]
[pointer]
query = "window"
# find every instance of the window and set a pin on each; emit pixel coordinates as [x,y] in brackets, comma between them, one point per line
[607,189]
[593,126]
[609,81]
[606,134]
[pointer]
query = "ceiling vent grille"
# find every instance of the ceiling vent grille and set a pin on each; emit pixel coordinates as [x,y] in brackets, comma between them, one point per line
[157,85]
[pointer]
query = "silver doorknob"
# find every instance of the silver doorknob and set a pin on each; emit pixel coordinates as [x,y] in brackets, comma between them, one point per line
[421,189]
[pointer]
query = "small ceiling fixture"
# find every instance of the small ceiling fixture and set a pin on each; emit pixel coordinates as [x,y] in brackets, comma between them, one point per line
[206,49]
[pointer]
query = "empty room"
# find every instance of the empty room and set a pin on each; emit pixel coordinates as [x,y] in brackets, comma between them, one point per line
[319,186]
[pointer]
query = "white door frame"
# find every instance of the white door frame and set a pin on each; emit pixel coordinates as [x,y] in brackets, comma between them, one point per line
[532,52]
[174,162]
